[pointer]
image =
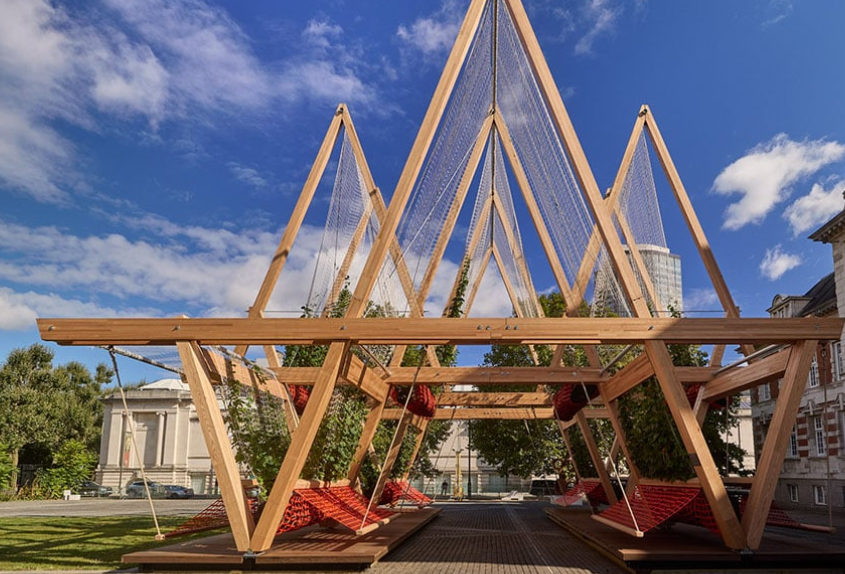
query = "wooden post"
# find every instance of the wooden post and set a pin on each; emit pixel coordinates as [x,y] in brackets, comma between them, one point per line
[693,439]
[595,456]
[219,447]
[295,222]
[391,456]
[777,439]
[300,446]
[365,441]
[417,445]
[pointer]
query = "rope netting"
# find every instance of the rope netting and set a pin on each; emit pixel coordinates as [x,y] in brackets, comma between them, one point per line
[589,488]
[435,189]
[344,505]
[307,506]
[212,517]
[640,210]
[650,505]
[540,149]
[401,490]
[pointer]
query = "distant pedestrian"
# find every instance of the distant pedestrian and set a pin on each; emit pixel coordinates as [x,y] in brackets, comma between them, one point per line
[444,488]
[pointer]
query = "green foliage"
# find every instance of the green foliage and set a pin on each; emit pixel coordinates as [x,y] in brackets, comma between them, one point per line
[337,437]
[259,432]
[6,468]
[580,454]
[72,464]
[42,406]
[653,437]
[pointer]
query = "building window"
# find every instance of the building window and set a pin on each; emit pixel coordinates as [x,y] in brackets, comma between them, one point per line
[818,427]
[763,392]
[836,360]
[820,495]
[793,492]
[793,443]
[813,380]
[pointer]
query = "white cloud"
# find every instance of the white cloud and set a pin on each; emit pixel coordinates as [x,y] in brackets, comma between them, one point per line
[150,59]
[764,175]
[776,11]
[815,208]
[247,175]
[18,311]
[601,17]
[701,299]
[433,34]
[777,262]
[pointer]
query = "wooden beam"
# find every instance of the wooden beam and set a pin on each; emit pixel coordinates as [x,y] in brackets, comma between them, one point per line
[471,399]
[494,375]
[634,373]
[695,444]
[365,441]
[534,211]
[360,376]
[217,440]
[300,446]
[437,331]
[295,222]
[416,157]
[774,447]
[497,413]
[595,455]
[466,414]
[742,378]
[392,455]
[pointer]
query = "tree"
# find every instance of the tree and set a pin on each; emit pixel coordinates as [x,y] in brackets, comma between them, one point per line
[41,407]
[72,464]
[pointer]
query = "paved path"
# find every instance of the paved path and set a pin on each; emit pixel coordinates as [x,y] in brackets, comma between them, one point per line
[494,538]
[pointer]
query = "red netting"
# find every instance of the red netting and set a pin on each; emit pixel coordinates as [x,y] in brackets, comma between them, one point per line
[570,399]
[214,516]
[306,507]
[692,394]
[590,488]
[777,516]
[396,490]
[699,513]
[299,513]
[299,395]
[343,504]
[422,403]
[651,505]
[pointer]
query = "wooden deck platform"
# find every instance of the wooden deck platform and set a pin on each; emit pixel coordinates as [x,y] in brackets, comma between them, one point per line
[691,547]
[307,548]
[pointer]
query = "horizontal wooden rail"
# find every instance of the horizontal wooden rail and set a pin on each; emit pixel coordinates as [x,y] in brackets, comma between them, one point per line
[437,331]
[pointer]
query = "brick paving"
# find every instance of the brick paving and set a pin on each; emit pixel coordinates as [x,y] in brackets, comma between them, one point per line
[494,538]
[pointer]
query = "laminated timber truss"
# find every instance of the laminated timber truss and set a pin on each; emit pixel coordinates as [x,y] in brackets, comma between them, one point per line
[794,340]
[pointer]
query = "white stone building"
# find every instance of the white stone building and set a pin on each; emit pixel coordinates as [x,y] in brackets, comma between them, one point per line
[167,437]
[813,474]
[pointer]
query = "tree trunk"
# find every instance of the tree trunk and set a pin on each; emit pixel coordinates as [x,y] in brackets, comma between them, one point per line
[13,479]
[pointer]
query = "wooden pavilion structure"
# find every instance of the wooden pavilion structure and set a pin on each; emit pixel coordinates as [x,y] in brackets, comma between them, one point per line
[796,340]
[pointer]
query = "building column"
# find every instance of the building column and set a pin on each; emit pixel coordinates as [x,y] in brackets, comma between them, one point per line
[160,439]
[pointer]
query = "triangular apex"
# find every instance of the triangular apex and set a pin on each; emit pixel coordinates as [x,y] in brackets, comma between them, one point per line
[352,222]
[497,81]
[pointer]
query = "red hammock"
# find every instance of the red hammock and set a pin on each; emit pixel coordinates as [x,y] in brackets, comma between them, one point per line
[422,403]
[651,505]
[299,395]
[396,490]
[307,506]
[571,398]
[590,488]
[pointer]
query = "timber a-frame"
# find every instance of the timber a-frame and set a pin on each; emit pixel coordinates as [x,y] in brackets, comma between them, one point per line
[796,339]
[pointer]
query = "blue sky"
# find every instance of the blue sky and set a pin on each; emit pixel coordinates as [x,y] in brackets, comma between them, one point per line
[151,150]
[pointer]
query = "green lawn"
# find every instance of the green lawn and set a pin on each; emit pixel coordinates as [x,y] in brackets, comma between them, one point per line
[62,543]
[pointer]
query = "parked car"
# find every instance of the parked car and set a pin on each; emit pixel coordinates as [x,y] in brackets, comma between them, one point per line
[90,488]
[176,491]
[136,489]
[544,487]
